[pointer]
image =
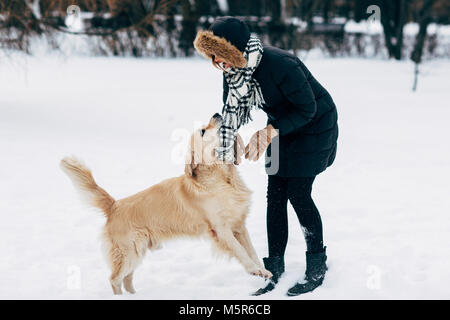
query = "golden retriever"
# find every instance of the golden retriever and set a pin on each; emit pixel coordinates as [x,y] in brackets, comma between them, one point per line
[210,199]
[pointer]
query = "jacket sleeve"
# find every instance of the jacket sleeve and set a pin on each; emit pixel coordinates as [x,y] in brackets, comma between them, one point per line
[294,85]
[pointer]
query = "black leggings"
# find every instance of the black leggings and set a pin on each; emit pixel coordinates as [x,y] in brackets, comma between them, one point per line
[298,192]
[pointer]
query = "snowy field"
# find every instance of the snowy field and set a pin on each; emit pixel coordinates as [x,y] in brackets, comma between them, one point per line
[385,203]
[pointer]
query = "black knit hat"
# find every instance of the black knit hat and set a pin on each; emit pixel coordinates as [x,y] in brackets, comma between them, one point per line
[226,39]
[232,29]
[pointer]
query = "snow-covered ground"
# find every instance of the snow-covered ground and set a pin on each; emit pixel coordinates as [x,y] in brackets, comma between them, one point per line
[385,203]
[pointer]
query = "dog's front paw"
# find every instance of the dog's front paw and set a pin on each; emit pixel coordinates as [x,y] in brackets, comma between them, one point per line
[260,272]
[267,274]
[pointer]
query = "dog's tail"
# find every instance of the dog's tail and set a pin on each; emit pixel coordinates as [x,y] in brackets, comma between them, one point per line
[84,182]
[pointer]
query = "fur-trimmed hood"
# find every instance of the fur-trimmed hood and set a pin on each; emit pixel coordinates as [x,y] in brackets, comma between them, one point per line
[226,39]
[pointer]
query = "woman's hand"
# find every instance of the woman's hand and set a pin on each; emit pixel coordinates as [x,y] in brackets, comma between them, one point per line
[259,143]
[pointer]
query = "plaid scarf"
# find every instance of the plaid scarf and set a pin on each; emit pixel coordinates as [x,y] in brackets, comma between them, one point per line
[244,94]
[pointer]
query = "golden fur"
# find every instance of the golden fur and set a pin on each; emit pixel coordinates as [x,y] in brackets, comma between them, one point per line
[211,45]
[210,199]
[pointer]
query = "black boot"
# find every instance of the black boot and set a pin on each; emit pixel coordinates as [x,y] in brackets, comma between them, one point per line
[276,266]
[314,275]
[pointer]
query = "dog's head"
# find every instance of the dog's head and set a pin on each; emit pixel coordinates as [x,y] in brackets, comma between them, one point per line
[202,145]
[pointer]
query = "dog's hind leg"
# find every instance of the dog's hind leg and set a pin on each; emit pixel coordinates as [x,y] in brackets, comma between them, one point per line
[135,256]
[128,283]
[117,258]
[123,269]
[123,259]
[117,276]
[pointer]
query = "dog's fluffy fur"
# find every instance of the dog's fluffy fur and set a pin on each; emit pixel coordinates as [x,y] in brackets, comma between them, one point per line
[210,45]
[210,200]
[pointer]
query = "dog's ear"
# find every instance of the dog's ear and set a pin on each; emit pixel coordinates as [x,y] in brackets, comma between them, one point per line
[190,167]
[194,155]
[191,163]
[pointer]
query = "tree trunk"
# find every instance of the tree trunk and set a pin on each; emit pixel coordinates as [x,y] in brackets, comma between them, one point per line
[189,27]
[393,18]
[424,21]
[326,10]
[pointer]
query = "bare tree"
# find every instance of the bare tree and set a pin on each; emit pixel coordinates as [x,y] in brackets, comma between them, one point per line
[18,23]
[424,20]
[394,14]
[189,26]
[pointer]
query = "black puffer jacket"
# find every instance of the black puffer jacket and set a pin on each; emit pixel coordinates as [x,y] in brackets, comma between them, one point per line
[296,103]
[303,112]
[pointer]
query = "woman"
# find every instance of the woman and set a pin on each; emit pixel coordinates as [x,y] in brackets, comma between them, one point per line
[300,137]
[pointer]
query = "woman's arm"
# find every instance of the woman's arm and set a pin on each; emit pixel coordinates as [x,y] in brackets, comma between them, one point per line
[295,87]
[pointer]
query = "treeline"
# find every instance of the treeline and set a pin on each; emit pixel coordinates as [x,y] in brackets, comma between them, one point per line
[168,27]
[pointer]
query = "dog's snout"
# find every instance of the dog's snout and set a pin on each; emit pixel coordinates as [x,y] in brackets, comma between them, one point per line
[217,117]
